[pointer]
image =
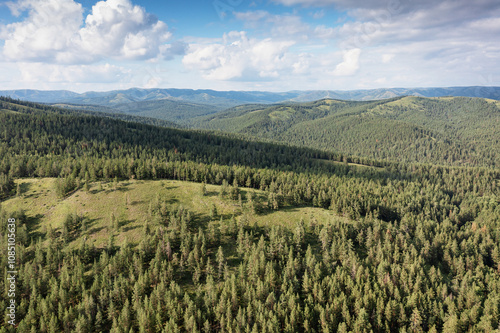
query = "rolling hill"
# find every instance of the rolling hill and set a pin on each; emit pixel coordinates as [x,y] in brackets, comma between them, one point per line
[129,227]
[11,105]
[444,130]
[180,105]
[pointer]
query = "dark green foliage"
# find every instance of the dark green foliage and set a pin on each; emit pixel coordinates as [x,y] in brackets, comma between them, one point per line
[73,226]
[364,276]
[91,110]
[451,131]
[30,139]
[418,249]
[65,185]
[170,110]
[6,185]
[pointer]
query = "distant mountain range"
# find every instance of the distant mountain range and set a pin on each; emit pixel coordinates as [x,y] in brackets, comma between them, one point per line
[233,98]
[384,93]
[179,105]
[120,97]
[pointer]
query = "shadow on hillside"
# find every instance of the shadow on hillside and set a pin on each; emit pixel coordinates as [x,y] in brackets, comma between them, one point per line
[25,187]
[264,211]
[91,229]
[171,200]
[90,222]
[95,230]
[168,186]
[128,228]
[32,224]
[198,220]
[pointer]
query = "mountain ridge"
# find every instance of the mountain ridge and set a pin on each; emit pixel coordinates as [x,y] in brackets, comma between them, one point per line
[438,130]
[233,98]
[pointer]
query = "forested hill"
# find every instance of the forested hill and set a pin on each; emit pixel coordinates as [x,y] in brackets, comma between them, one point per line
[403,247]
[17,106]
[444,130]
[32,130]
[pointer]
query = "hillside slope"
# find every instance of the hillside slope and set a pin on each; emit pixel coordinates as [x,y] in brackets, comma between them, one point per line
[445,130]
[180,105]
[127,227]
[129,202]
[16,106]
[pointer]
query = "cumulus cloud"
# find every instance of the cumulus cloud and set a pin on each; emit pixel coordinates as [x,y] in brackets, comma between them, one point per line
[46,34]
[54,31]
[117,28]
[285,25]
[103,73]
[350,63]
[238,56]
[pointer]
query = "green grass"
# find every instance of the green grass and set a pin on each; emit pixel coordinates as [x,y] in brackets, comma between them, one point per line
[282,113]
[129,202]
[8,111]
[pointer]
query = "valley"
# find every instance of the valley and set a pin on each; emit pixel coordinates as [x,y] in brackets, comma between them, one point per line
[329,215]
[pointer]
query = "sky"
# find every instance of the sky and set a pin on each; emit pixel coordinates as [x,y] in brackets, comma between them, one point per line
[267,45]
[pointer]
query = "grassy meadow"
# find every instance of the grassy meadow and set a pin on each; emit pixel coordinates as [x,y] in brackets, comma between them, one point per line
[129,202]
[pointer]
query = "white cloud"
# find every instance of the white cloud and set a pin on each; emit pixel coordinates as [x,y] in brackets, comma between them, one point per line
[386,58]
[39,72]
[319,14]
[252,16]
[302,64]
[350,63]
[239,57]
[324,32]
[307,3]
[402,43]
[46,35]
[117,28]
[285,26]
[277,26]
[52,32]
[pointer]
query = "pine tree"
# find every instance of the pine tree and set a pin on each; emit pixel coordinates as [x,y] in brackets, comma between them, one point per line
[362,323]
[213,212]
[221,262]
[416,321]
[452,324]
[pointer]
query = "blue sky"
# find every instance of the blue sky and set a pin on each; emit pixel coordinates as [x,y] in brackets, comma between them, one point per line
[276,45]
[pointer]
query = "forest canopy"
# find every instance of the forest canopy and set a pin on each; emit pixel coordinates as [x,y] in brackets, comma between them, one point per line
[413,246]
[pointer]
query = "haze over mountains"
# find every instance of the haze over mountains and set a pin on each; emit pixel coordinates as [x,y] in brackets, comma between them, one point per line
[233,98]
[181,105]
